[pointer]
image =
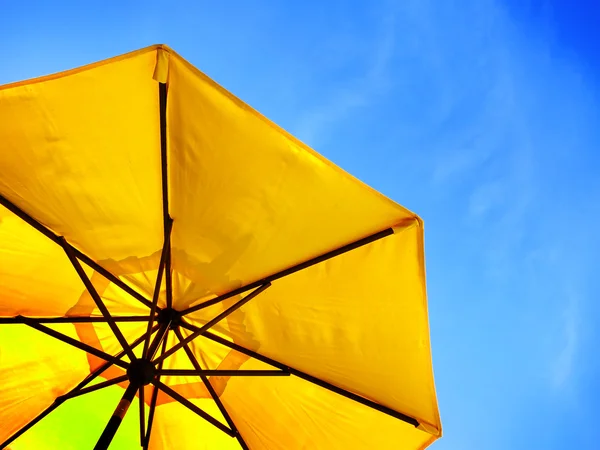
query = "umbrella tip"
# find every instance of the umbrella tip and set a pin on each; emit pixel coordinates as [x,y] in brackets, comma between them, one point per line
[407,223]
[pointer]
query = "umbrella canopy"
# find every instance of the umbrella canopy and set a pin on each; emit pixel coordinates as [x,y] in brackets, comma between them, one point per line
[168,251]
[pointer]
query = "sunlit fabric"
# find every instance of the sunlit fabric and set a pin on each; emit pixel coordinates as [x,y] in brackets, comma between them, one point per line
[81,156]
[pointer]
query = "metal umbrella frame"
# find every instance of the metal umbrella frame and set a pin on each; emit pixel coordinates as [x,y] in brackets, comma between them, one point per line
[160,322]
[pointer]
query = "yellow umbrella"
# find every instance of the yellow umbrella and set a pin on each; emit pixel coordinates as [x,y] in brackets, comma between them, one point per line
[165,246]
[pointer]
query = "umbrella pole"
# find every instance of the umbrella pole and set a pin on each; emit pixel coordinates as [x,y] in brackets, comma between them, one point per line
[117,417]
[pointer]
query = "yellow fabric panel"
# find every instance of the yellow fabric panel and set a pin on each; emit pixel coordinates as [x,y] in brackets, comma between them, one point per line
[248,199]
[78,423]
[283,414]
[176,427]
[214,355]
[34,370]
[358,321]
[36,277]
[81,154]
[289,413]
[210,355]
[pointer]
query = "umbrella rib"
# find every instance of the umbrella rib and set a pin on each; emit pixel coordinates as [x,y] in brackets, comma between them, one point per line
[298,267]
[30,424]
[19,319]
[146,442]
[61,399]
[75,343]
[223,373]
[97,300]
[83,257]
[324,384]
[188,404]
[160,337]
[57,402]
[212,322]
[156,294]
[162,106]
[95,387]
[211,391]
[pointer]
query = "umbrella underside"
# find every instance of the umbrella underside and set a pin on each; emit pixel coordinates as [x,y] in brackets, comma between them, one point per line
[185,332]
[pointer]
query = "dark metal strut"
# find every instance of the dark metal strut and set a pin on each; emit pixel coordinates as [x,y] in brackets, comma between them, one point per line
[211,390]
[357,398]
[81,256]
[291,270]
[167,221]
[159,276]
[141,372]
[222,373]
[72,393]
[74,342]
[188,404]
[212,322]
[22,319]
[97,300]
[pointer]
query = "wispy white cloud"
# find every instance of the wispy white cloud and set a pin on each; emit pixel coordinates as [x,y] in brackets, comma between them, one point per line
[357,92]
[505,115]
[566,357]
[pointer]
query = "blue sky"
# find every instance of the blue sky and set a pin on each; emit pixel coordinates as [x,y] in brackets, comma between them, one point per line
[480,115]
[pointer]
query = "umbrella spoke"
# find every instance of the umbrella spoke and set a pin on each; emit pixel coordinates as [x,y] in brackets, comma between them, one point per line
[75,343]
[167,221]
[107,364]
[311,262]
[83,257]
[188,404]
[161,268]
[158,339]
[61,399]
[146,442]
[57,402]
[350,395]
[31,423]
[211,390]
[115,421]
[223,373]
[95,387]
[20,319]
[98,301]
[212,322]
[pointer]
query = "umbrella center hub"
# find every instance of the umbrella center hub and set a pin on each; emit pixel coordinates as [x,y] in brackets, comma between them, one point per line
[169,316]
[141,372]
